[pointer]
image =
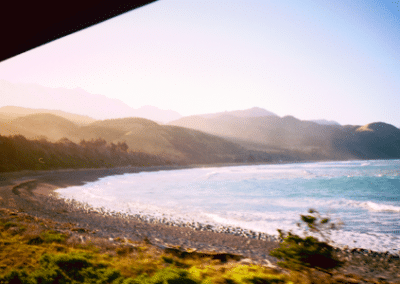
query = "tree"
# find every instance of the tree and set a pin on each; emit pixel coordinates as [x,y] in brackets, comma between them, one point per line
[308,253]
[122,146]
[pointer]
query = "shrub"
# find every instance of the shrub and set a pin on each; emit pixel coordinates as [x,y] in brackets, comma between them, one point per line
[171,276]
[305,254]
[9,224]
[15,276]
[53,236]
[65,268]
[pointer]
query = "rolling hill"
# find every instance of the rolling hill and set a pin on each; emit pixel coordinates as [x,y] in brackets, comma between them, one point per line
[172,143]
[42,125]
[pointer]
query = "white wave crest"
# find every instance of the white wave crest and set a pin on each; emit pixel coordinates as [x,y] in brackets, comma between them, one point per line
[372,206]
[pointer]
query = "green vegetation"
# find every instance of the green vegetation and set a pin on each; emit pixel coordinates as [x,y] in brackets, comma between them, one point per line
[308,254]
[34,250]
[19,153]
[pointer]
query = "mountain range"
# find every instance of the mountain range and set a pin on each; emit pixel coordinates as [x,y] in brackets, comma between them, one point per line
[219,139]
[251,135]
[60,101]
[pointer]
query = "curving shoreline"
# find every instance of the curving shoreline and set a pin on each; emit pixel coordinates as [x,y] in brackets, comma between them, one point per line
[31,193]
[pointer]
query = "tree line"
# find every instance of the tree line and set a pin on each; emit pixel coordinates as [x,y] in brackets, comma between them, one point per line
[19,153]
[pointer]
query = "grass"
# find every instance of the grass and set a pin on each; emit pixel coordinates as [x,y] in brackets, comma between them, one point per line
[33,250]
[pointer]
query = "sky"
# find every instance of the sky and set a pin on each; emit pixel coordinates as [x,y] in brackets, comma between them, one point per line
[335,60]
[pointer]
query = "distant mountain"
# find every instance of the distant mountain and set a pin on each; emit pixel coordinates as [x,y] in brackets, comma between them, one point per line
[325,122]
[76,101]
[252,112]
[11,112]
[156,114]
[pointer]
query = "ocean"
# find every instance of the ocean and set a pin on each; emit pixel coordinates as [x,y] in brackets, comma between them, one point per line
[364,196]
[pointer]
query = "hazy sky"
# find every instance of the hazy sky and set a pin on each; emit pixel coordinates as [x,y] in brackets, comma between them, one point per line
[338,60]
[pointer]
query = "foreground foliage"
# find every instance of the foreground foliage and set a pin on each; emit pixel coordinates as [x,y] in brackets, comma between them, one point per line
[36,251]
[308,253]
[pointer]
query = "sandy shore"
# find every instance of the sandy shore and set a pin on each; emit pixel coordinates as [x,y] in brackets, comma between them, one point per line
[29,192]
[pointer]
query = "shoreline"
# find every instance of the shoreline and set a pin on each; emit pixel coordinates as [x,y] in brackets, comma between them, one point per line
[47,182]
[30,192]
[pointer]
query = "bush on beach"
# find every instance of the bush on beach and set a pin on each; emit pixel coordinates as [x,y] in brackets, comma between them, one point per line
[308,254]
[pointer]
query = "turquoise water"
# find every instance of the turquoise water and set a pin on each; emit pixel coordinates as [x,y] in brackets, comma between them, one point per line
[363,195]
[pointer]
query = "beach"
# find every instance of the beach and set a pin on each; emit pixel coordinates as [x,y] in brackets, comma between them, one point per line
[32,193]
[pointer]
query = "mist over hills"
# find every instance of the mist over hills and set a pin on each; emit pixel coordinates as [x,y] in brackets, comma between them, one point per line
[325,122]
[302,139]
[271,130]
[251,112]
[76,101]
